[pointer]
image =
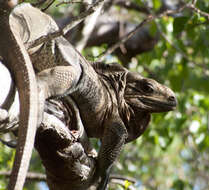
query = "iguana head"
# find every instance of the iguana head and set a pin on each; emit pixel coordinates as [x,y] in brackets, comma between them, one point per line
[137,97]
[148,95]
[144,96]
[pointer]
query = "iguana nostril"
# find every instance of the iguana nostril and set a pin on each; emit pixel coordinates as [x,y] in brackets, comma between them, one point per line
[172,98]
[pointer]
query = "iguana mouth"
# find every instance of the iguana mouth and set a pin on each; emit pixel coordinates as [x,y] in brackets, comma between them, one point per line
[154,103]
[169,105]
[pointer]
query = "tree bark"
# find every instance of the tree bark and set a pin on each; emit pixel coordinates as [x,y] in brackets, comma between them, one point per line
[68,158]
[63,146]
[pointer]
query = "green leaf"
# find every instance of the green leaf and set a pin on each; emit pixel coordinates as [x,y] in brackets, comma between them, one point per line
[179,24]
[153,29]
[156,4]
[127,184]
[202,19]
[178,184]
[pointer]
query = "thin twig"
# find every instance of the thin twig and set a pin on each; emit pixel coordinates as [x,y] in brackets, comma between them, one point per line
[123,184]
[198,11]
[50,3]
[130,179]
[131,5]
[76,20]
[70,2]
[89,25]
[39,3]
[194,2]
[30,175]
[124,39]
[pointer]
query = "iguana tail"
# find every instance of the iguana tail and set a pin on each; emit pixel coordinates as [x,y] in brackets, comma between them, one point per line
[16,58]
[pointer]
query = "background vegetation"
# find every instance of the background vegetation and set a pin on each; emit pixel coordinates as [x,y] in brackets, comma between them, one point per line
[173,154]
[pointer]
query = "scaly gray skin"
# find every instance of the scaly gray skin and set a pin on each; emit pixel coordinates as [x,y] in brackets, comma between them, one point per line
[16,58]
[114,104]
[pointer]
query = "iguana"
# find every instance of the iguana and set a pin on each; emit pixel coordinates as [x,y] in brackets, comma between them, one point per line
[109,97]
[115,106]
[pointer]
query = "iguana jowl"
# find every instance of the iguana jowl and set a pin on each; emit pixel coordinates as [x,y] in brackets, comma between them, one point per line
[114,104]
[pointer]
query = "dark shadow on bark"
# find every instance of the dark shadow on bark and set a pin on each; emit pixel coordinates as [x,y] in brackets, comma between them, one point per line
[68,162]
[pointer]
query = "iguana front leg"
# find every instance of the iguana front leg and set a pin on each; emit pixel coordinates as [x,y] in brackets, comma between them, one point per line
[60,80]
[113,140]
[57,81]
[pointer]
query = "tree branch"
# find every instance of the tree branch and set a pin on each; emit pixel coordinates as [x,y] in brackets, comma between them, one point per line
[89,25]
[64,148]
[123,184]
[131,5]
[148,19]
[74,21]
[35,176]
[198,11]
[32,176]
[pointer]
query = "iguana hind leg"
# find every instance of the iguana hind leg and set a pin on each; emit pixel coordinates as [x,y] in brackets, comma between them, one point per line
[113,140]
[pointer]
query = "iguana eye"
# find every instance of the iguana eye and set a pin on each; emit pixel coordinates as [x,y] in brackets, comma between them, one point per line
[147,88]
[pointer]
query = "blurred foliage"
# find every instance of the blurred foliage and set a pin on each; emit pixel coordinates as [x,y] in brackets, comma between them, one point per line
[173,154]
